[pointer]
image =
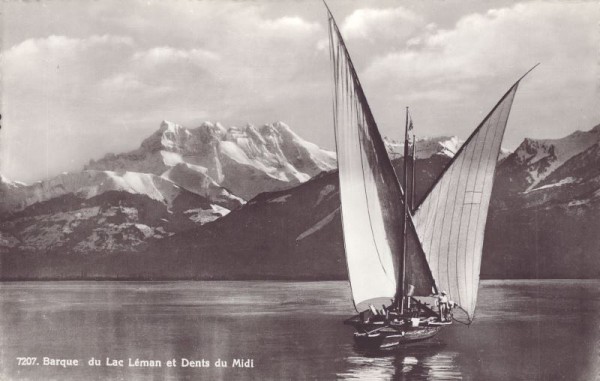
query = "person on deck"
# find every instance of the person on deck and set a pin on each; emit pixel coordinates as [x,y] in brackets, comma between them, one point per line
[442,302]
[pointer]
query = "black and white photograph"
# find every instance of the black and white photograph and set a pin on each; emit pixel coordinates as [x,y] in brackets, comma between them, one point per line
[299,190]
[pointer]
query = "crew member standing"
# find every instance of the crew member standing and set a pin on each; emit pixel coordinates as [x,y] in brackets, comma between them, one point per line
[442,302]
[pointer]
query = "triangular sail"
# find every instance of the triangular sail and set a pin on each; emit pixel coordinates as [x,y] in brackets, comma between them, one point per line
[371,197]
[451,219]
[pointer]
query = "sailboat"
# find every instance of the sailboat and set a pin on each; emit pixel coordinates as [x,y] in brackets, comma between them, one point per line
[402,260]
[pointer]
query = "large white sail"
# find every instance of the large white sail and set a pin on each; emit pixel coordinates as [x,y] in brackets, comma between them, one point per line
[451,219]
[371,197]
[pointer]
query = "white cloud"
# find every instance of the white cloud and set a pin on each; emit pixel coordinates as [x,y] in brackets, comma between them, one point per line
[556,33]
[377,24]
[285,26]
[102,75]
[454,70]
[230,62]
[167,55]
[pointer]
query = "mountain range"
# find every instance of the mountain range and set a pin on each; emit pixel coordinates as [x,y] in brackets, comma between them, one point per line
[246,161]
[261,202]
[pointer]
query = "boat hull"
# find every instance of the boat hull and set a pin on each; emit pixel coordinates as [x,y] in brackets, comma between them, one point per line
[391,338]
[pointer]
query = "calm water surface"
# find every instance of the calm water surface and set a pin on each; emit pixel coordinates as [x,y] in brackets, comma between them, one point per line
[524,330]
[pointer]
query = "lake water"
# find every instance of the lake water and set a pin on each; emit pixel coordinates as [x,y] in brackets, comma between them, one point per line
[524,330]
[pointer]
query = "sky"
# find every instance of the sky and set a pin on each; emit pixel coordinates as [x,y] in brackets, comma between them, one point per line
[80,79]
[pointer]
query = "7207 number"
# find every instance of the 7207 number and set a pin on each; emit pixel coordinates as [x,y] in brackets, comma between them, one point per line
[24,361]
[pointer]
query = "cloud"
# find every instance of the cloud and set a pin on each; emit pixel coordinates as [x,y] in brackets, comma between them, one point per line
[93,77]
[50,95]
[490,44]
[167,55]
[455,69]
[375,32]
[285,26]
[30,61]
[394,24]
[233,62]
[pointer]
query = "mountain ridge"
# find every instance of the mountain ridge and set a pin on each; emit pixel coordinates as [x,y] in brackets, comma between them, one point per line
[291,233]
[272,155]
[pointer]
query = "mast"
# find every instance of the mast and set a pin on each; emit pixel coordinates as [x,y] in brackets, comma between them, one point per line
[414,166]
[405,223]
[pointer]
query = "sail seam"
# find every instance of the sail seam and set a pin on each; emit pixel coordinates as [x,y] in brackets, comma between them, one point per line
[443,219]
[488,122]
[500,120]
[465,256]
[459,224]
[368,209]
[507,107]
[431,219]
[435,220]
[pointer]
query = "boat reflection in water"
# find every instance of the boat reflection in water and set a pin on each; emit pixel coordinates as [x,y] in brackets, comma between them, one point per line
[419,361]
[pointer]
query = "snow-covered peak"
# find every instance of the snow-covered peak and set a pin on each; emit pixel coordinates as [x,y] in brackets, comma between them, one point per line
[534,150]
[6,182]
[504,153]
[247,160]
[543,156]
[427,146]
[173,135]
[87,184]
[196,180]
